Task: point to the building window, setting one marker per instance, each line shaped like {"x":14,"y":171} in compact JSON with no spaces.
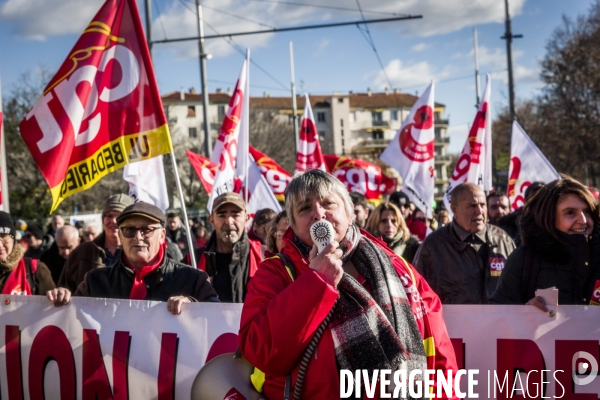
{"x":340,"y":99}
{"x":437,"y":115}
{"x":191,"y":111}
{"x":320,"y":116}
{"x":321,"y":136}
{"x":394,"y":115}
{"x":343,"y":145}
{"x":342,"y":132}
{"x":193,"y":133}
{"x":376,"y":116}
{"x":378,"y":135}
{"x":342,"y":122}
{"x":438,"y":133}
{"x":221,"y":112}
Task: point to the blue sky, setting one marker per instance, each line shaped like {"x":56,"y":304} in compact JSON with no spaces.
{"x":37,"y":33}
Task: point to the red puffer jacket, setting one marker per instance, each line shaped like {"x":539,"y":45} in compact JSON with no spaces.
{"x":280,"y":317}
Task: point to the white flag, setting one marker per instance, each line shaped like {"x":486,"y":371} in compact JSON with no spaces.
{"x":260,"y":192}
{"x":230,"y":131}
{"x":309,"y":154}
{"x":527,"y":165}
{"x":475,"y":162}
{"x":147,"y":182}
{"x":412,"y":152}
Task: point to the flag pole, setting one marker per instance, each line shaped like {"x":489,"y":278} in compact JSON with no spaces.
{"x":246,"y":124}
{"x":3,"y":175}
{"x":185,"y":217}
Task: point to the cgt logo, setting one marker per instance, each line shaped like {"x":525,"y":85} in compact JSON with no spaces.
{"x":587,"y":368}
{"x":496,"y":266}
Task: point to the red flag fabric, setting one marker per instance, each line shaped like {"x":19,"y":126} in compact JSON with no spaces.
{"x":205,"y":169}
{"x":361,"y":176}
{"x":277,"y":177}
{"x":309,"y":154}
{"x":102,"y":109}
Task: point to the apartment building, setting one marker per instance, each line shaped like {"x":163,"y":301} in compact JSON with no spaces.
{"x":355,"y":124}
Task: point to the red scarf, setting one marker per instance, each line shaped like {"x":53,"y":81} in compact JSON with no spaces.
{"x":138,"y":290}
{"x":17,"y":283}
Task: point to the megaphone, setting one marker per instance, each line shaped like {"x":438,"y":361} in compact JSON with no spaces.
{"x":225,"y":377}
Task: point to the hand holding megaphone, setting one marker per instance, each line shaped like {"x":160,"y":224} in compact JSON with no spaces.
{"x":326,"y":256}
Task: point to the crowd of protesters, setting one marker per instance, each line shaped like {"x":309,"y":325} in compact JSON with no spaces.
{"x":481,"y":251}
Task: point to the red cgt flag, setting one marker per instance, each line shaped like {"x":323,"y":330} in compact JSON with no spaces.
{"x":205,"y":169}
{"x":360,"y":176}
{"x":277,"y":177}
{"x":102,"y":109}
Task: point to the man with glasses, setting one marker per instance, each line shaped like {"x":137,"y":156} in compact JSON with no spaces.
{"x":143,"y":271}
{"x":101,"y":252}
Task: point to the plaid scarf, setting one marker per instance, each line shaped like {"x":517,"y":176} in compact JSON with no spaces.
{"x":375,"y":331}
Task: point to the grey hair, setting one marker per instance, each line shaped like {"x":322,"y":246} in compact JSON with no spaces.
{"x":318,"y":183}
{"x":67,"y":231}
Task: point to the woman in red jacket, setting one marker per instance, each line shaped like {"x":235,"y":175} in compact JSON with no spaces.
{"x":383,"y":315}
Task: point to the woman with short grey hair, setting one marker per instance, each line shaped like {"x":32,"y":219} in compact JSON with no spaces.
{"x":352,"y":305}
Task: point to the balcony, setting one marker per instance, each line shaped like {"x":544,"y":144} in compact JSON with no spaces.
{"x":443,"y":159}
{"x":381,"y":124}
{"x":441,"y":141}
{"x":441,"y":122}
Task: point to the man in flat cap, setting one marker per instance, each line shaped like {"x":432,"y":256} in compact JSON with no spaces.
{"x":143,"y":271}
{"x":101,"y":252}
{"x":229,"y":257}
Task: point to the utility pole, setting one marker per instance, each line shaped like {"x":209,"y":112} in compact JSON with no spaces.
{"x":203,"y":88}
{"x":294,"y":106}
{"x":477,"y":90}
{"x":508,"y":36}
{"x":149,"y":26}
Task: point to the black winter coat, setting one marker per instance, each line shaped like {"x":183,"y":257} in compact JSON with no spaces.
{"x":170,"y":279}
{"x":572,"y":265}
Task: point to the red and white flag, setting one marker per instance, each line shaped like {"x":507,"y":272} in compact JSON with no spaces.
{"x":260,"y":195}
{"x":475,"y":162}
{"x":309,"y":154}
{"x":277,"y":177}
{"x":412,"y":152}
{"x":226,"y":151}
{"x":361,"y":176}
{"x":102,"y":109}
{"x":147,"y":182}
{"x":527,"y":165}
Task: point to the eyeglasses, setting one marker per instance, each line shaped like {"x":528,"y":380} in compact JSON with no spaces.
{"x":6,"y":239}
{"x":146,"y":231}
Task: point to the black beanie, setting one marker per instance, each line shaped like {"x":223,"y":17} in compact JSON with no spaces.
{"x":7,"y":227}
{"x":36,"y":231}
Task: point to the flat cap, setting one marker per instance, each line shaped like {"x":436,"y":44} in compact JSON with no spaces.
{"x":117,"y":202}
{"x":228,"y":198}
{"x":143,"y":209}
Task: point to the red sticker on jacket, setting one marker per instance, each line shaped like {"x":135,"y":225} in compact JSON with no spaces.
{"x":496,"y":266}
{"x":595,"y":300}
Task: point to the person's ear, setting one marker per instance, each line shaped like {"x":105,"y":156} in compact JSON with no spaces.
{"x":453,"y":208}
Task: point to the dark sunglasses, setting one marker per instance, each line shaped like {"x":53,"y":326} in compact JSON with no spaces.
{"x":146,"y":231}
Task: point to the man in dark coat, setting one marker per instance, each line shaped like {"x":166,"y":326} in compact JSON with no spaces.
{"x":143,"y":272}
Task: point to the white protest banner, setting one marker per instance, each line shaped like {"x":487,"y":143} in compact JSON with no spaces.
{"x":527,"y":164}
{"x":137,"y":350}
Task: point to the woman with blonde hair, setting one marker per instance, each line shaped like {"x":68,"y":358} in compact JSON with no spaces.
{"x":386,"y":221}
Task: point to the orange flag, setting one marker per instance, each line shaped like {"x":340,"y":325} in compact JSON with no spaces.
{"x":102,"y":109}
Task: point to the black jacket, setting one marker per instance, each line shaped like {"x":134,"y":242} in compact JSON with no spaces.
{"x":571,"y":264}
{"x":455,"y":269}
{"x":54,"y":261}
{"x":170,"y":279}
